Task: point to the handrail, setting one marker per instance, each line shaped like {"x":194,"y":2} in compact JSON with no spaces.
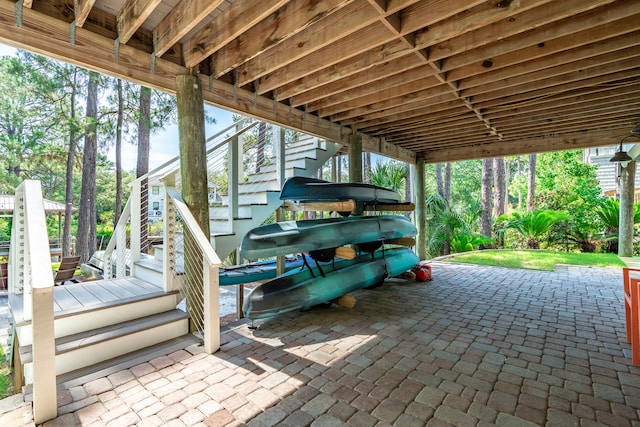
{"x":190,"y":221}
{"x":117,"y":237}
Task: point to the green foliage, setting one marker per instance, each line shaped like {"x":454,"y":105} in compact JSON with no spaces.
{"x":465,"y":241}
{"x":391,"y":174}
{"x":532,"y":225}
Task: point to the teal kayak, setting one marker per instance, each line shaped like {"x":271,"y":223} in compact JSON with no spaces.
{"x":292,"y":237}
{"x":310,"y":189}
{"x":303,"y":289}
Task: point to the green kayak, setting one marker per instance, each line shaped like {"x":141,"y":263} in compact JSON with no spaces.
{"x":297,"y":290}
{"x":294,"y":237}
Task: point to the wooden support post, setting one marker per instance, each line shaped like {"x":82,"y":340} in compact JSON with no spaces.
{"x":193,"y":174}
{"x":279,"y":147}
{"x":355,"y":163}
{"x":421,"y":208}
{"x":625,"y":231}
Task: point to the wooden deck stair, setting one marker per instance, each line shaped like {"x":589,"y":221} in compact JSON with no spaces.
{"x":103,"y":320}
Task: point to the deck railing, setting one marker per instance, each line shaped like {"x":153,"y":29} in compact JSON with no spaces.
{"x":196,"y":277}
{"x":30,"y":275}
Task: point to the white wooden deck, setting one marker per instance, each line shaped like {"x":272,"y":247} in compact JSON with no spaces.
{"x":76,"y":297}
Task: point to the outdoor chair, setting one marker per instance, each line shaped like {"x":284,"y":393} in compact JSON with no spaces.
{"x":67,"y":270}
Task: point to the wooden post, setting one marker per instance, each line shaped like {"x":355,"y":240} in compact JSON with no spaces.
{"x":193,"y":174}
{"x":135,"y":239}
{"x":627,"y":190}
{"x":421,"y":208}
{"x":278,"y":144}
{"x":355,"y":164}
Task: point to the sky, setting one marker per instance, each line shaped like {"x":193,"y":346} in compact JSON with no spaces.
{"x":164,"y":143}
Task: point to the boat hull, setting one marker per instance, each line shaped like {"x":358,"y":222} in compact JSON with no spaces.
{"x":305,"y":189}
{"x":300,"y":290}
{"x":292,"y":237}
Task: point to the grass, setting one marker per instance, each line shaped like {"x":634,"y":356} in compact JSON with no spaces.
{"x":538,"y":260}
{"x":6,"y":383}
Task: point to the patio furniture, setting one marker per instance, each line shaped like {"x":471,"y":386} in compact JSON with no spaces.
{"x":631,"y":279}
{"x":67,"y":270}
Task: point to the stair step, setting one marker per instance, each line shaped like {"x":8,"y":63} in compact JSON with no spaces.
{"x":90,"y":347}
{"x":107,"y":333}
{"x":116,"y":364}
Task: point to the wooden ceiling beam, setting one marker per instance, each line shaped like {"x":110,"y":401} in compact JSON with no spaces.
{"x":568,"y":50}
{"x":585,"y":94}
{"x":389,"y":88}
{"x":185,"y":16}
{"x":608,"y":80}
{"x":446,"y":109}
{"x":81,"y":9}
{"x":614,"y":44}
{"x":400,"y":103}
{"x":226,"y":27}
{"x":417,"y":116}
{"x":412,"y":19}
{"x":544,"y":22}
{"x":366,"y":81}
{"x":571,"y":71}
{"x":132,"y":16}
{"x":261,"y":43}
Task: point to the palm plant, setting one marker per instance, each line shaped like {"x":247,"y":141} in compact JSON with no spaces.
{"x":390,"y":175}
{"x":442,"y":223}
{"x":465,"y":241}
{"x":533,"y":225}
{"x":609,"y":214}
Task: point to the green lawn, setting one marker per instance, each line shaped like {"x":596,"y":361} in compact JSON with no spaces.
{"x":537,"y":260}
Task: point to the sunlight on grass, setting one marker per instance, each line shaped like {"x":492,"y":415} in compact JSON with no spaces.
{"x":538,"y":260}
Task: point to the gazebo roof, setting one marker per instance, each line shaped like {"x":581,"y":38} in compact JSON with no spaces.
{"x":7,"y":203}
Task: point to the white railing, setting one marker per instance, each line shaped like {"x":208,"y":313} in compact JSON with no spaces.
{"x":196,"y":277}
{"x":31,"y":275}
{"x":119,"y":245}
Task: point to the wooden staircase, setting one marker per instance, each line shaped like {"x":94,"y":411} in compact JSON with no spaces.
{"x":98,"y":321}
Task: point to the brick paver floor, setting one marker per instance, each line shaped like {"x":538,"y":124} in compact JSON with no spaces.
{"x":475,"y":346}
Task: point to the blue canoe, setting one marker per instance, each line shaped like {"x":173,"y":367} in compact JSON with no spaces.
{"x":306,"y":288}
{"x":292,"y":237}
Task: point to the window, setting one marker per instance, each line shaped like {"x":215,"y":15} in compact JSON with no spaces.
{"x":156,"y":206}
{"x":155,"y":190}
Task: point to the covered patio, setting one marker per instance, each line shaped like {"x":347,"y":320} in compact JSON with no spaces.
{"x":420,"y":81}
{"x":475,"y":346}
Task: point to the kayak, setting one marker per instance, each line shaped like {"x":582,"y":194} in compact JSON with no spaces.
{"x":309,"y":287}
{"x":310,"y":189}
{"x":292,"y":237}
{"x":255,"y":271}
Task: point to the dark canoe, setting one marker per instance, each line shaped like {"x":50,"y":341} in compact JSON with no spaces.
{"x":255,"y":271}
{"x":301,"y":290}
{"x":292,"y":237}
{"x":310,"y":189}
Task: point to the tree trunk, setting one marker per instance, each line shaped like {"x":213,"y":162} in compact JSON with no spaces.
{"x":531,"y":188}
{"x":487,"y":178}
{"x":439,"y":183}
{"x":118,"y":207}
{"x":142,"y":165}
{"x":498,"y":183}
{"x":367,"y":166}
{"x":447,"y":182}
{"x":68,"y":186}
{"x":625,"y":230}
{"x":86,"y":242}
